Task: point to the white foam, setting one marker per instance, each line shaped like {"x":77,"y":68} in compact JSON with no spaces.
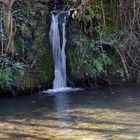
{"x":63,"y":89}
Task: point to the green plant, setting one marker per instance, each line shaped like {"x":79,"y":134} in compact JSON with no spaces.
{"x":89,"y":57}
{"x":9,"y":70}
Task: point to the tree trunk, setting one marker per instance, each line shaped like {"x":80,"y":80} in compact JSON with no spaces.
{"x":103,"y":14}
{"x":8,"y":26}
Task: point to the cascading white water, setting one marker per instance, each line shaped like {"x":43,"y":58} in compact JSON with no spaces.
{"x":57,"y":36}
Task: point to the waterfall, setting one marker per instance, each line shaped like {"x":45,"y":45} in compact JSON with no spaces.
{"x":57,"y":36}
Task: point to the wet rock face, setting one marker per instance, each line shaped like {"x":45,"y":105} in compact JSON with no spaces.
{"x":57,"y":4}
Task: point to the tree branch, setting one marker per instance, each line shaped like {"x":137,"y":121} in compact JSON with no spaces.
{"x":80,"y":8}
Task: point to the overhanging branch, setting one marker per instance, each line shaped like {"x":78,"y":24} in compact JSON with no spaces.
{"x":80,"y":8}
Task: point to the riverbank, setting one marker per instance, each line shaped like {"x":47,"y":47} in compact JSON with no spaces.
{"x":39,"y":91}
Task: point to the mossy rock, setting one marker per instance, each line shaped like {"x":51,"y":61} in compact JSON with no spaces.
{"x":28,"y":81}
{"x":44,"y":67}
{"x":40,"y":75}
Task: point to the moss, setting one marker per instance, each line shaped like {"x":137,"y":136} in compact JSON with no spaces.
{"x":28,"y":81}
{"x":40,"y":73}
{"x":44,"y":66}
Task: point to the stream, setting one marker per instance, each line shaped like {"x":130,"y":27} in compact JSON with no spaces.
{"x":80,"y":115}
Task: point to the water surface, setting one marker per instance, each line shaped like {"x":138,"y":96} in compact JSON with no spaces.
{"x":81,"y":115}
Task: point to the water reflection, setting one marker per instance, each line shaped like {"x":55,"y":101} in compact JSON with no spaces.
{"x":62,"y":104}
{"x":89,"y":114}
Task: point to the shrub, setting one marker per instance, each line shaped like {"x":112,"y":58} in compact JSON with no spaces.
{"x":9,"y":70}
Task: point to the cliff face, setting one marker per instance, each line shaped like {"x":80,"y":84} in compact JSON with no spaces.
{"x":100,"y":45}
{"x":55,"y":4}
{"x":32,"y":44}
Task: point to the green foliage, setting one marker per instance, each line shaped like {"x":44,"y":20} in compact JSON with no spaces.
{"x":92,"y":17}
{"x":9,"y":70}
{"x":74,"y":14}
{"x":88,"y":57}
{"x":30,"y":21}
{"x":5,"y":78}
{"x":86,"y":19}
{"x":98,"y":65}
